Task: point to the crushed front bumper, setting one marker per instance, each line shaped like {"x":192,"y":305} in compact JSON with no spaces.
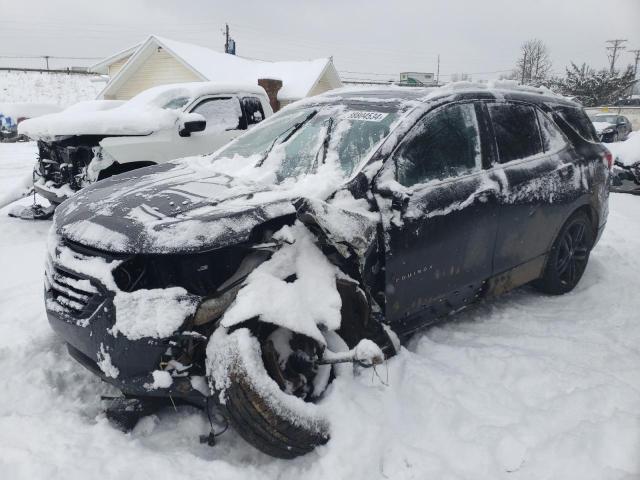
{"x":81,"y":310}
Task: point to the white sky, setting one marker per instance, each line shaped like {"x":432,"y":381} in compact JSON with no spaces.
{"x":362,"y":35}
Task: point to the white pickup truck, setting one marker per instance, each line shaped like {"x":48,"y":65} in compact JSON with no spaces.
{"x":94,"y":140}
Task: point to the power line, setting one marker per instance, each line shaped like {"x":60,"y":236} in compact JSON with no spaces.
{"x":50,"y":56}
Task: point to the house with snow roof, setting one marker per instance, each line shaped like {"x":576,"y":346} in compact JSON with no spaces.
{"x":160,"y":61}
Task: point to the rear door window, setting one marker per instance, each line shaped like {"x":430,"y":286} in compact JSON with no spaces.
{"x":221,"y":113}
{"x":444,"y":144}
{"x":516,"y":130}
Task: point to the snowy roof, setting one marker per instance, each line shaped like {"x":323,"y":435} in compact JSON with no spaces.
{"x":298,"y":77}
{"x":103,"y":65}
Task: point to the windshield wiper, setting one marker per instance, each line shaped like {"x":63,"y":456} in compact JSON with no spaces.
{"x":291,"y":131}
{"x":325,"y":143}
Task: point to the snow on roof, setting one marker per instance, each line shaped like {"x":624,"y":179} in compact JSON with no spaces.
{"x":298,"y":77}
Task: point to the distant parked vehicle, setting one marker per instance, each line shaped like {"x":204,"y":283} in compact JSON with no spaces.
{"x":611,"y":127}
{"x":11,"y":114}
{"x":94,"y":140}
{"x":628,"y":102}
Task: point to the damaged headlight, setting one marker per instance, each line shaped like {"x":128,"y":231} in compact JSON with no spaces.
{"x":212,"y":308}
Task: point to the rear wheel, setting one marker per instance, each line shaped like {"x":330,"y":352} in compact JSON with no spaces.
{"x":267,"y":384}
{"x":568,"y":257}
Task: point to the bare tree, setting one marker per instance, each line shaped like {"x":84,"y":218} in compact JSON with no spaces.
{"x":534,"y":64}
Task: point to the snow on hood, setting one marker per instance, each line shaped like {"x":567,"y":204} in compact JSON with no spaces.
{"x":601,"y":126}
{"x":142,"y":115}
{"x":173,"y":207}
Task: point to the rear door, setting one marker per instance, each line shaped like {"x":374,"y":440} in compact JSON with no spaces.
{"x":534,"y":165}
{"x":440,"y":237}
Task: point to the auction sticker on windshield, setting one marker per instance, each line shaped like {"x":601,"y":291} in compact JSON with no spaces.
{"x":366,"y":116}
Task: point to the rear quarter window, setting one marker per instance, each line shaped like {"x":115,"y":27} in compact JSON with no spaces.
{"x":516,"y":130}
{"x":578,"y":121}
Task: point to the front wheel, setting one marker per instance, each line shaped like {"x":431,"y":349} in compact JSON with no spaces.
{"x":267,"y":384}
{"x":568,"y":257}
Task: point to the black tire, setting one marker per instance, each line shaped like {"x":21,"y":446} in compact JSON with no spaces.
{"x":256,"y":407}
{"x":568,"y":257}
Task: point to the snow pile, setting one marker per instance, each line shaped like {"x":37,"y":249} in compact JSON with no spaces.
{"x":50,"y":88}
{"x":302,"y":280}
{"x":627,"y":152}
{"x":525,"y":386}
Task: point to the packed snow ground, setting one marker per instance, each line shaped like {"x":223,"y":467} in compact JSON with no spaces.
{"x":523,"y":387}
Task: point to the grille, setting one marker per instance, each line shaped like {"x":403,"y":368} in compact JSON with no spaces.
{"x":71,"y":293}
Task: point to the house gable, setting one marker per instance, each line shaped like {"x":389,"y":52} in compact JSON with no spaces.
{"x":159,"y":68}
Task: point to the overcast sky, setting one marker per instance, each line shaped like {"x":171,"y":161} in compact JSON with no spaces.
{"x":363,"y":36}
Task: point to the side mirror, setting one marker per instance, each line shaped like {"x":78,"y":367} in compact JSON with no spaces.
{"x":190,"y":123}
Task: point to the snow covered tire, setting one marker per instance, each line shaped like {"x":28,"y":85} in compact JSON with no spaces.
{"x":256,"y":407}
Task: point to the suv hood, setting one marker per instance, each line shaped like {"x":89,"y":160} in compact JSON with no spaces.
{"x":169,"y":208}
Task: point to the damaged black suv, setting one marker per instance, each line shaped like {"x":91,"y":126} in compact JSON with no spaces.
{"x":330,"y":233}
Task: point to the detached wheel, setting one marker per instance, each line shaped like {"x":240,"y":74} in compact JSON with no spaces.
{"x":267,"y":384}
{"x":568,"y":257}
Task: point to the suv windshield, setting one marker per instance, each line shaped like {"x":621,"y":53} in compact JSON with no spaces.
{"x":297,"y":142}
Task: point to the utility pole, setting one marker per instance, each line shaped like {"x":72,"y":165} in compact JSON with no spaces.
{"x":438,"y":73}
{"x":226,"y":38}
{"x":616,"y":45}
{"x":46,"y":59}
{"x":635,"y":68}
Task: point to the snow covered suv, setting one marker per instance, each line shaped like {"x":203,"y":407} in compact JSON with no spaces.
{"x":328,"y":234}
{"x":94,"y":140}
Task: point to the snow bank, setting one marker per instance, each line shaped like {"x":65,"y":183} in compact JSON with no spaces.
{"x":627,"y":152}
{"x":50,"y":88}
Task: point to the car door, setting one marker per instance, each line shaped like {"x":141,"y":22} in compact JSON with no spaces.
{"x":534,"y":163}
{"x":440,"y":236}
